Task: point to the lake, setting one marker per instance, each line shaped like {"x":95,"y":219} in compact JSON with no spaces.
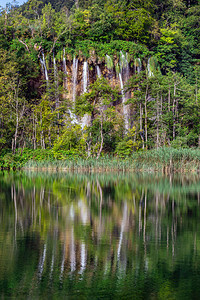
{"x":99,"y":236}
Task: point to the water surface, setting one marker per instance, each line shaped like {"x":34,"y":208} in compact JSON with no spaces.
{"x":99,"y":236}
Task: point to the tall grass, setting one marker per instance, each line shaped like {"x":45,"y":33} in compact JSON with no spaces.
{"x":162,"y":160}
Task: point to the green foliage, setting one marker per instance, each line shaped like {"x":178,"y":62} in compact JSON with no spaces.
{"x":163,"y":159}
{"x":160,"y":41}
{"x":71,"y":142}
{"x":111,"y":48}
{"x":124,"y":148}
{"x":168,"y":49}
{"x":97,"y":103}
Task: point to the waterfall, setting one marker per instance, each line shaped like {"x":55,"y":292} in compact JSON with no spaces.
{"x":44,"y":68}
{"x":85,"y":77}
{"x":124,"y":65}
{"x":73,"y":117}
{"x":64,"y":69}
{"x":74,"y":84}
{"x":125,"y":108}
{"x":127,"y":67}
{"x":98,"y":71}
{"x":74,"y":78}
{"x":42,"y":65}
{"x":109,"y":62}
{"x":124,"y":74}
{"x":85,"y":82}
{"x":85,"y":121}
{"x":56,"y":81}
{"x":123,"y":61}
{"x":149,"y":68}
{"x":138,"y":65}
{"x":109,"y":65}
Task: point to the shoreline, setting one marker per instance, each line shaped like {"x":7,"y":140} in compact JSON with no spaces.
{"x":165,"y":170}
{"x":163,"y":160}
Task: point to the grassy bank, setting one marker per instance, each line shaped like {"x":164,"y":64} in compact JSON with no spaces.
{"x":164,"y":160}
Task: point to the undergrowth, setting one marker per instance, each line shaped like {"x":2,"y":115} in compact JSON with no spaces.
{"x":163,"y":159}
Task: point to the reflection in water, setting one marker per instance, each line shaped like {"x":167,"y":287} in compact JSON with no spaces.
{"x":83,"y":258}
{"x":122,"y":230}
{"x":41,"y":262}
{"x":99,"y":235}
{"x":72,"y":252}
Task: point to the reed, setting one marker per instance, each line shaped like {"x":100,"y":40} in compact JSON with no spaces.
{"x":163,"y":160}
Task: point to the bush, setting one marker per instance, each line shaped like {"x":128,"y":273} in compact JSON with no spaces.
{"x":125,"y":148}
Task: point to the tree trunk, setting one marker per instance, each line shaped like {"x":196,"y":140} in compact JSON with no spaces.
{"x":49,"y":136}
{"x":101,"y":147}
{"x":141,"y":130}
{"x":169,"y":100}
{"x":145,"y":121}
{"x":16,"y":133}
{"x":77,"y":4}
{"x":163,"y":133}
{"x":42,"y":134}
{"x":196,"y":91}
{"x":34,"y":132}
{"x":157,"y":123}
{"x":173,"y":110}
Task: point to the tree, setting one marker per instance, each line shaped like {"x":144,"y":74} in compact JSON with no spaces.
{"x":12,"y":101}
{"x":97,"y":103}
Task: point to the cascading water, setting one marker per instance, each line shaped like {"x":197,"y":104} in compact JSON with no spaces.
{"x":127,"y":67}
{"x":74,"y":78}
{"x":85,"y":82}
{"x":124,"y":66}
{"x":124,"y":73}
{"x":125,"y":108}
{"x":64,"y":69}
{"x":109,"y":62}
{"x":109,"y":65}
{"x":73,"y":117}
{"x":138,"y":65}
{"x":123,"y":61}
{"x":98,"y":71}
{"x":85,"y":76}
{"x":74,"y":84}
{"x":149,"y":68}
{"x":44,"y":68}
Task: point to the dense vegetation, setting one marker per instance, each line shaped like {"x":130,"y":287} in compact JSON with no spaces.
{"x":165,"y":106}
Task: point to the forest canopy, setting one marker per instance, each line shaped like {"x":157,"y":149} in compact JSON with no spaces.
{"x":146,"y":52}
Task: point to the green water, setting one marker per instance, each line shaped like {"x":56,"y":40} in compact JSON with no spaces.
{"x":99,"y":236}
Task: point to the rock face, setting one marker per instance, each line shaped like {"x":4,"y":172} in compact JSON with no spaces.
{"x":78,"y":73}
